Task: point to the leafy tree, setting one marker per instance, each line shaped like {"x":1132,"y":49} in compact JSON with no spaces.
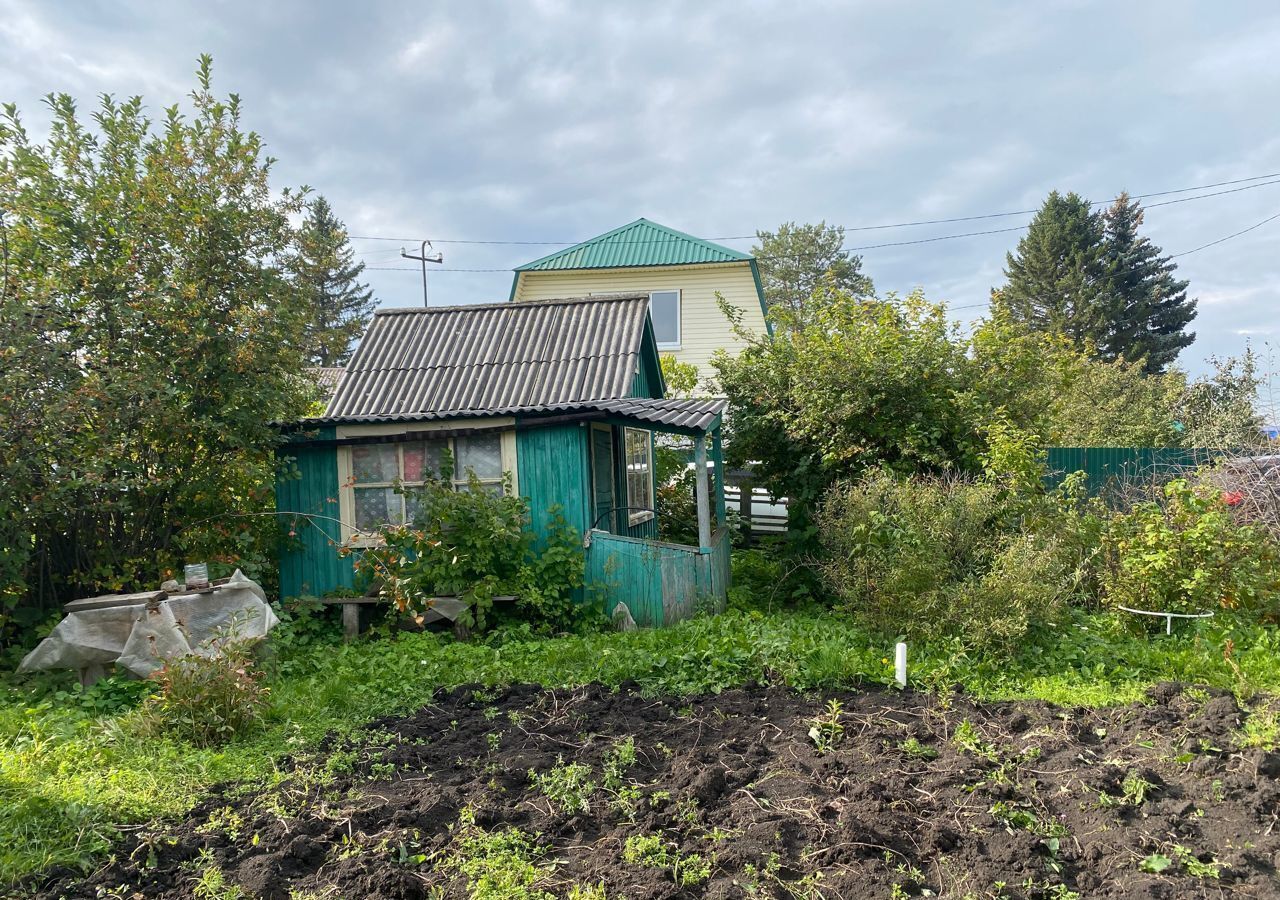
{"x":1152,"y":309}
{"x":1220,"y":410}
{"x":796,"y":260}
{"x":864,"y":385}
{"x":149,"y":338}
{"x":681,"y":377}
{"x":326,"y":272}
{"x":1057,"y":280}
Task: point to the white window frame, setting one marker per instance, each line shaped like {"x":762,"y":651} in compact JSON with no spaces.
{"x":679,"y":317}
{"x":634,"y":516}
{"x":352,"y":536}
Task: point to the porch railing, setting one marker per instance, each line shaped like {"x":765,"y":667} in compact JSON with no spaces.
{"x":661,"y":583}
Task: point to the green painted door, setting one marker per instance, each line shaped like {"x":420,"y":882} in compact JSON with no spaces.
{"x":602,"y":477}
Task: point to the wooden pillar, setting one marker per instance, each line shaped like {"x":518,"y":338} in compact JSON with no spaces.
{"x":350,"y":621}
{"x":746,"y":488}
{"x":717,"y":456}
{"x":704,"y":499}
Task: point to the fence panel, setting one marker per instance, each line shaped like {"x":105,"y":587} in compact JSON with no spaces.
{"x":1114,"y":468}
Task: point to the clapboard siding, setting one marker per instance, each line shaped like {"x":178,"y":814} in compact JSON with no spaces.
{"x":704,"y":329}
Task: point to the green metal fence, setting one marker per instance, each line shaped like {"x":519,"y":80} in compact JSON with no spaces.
{"x":1108,"y":468}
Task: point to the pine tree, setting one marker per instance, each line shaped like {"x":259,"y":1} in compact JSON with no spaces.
{"x":796,"y":260}
{"x":1056,"y":282}
{"x":325,"y":270}
{"x":1152,"y":309}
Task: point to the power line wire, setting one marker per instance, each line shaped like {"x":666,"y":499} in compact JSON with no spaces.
{"x":1228,"y":237}
{"x":1020,"y":212}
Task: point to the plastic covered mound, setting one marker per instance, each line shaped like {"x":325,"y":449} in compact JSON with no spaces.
{"x":139,"y":631}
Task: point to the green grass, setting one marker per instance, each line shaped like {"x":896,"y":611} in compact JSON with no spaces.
{"x":70,"y":769}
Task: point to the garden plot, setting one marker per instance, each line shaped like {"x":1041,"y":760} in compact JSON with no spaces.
{"x":758,"y":792}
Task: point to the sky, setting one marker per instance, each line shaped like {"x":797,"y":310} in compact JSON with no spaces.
{"x":546,"y":122}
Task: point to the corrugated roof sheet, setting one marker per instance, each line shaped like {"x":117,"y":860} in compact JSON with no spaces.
{"x":641,"y":243}
{"x":693,"y":414}
{"x":492,"y":359}
{"x":325,"y":377}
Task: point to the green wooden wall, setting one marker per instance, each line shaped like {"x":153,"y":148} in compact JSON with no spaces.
{"x":310,"y":563}
{"x":1104,"y":467}
{"x":553,"y":469}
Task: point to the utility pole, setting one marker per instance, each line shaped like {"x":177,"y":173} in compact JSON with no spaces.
{"x":424,"y":258}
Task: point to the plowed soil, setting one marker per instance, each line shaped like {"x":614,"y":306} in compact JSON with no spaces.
{"x":758,"y":792}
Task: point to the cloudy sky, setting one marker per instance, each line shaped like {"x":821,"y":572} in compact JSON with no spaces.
{"x":553,"y":121}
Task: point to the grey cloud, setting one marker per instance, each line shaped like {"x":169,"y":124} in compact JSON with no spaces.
{"x":557,"y":120}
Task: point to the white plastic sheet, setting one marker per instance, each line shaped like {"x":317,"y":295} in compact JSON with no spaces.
{"x":140,"y":637}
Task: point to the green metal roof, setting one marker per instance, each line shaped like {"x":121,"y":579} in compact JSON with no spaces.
{"x":642,"y":243}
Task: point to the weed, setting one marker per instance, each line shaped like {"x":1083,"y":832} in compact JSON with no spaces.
{"x":967,"y":738}
{"x":587,"y":892}
{"x":207,"y":700}
{"x":1012,"y":817}
{"x":913,"y":748}
{"x":1194,"y":866}
{"x":568,"y":787}
{"x":1134,"y":789}
{"x":225,"y":820}
{"x":825,"y":731}
{"x":620,"y":758}
{"x":687,"y":869}
{"x":498,"y":865}
{"x":1261,"y":731}
{"x":210,"y":883}
{"x":1155,"y":863}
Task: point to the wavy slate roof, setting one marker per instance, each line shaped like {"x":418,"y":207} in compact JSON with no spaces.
{"x":492,"y":359}
{"x":641,"y":243}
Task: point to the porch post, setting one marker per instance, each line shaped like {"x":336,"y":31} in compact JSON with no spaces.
{"x":717,"y":456}
{"x":704,"y":500}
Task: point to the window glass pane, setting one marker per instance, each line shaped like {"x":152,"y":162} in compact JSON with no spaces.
{"x":664,"y":307}
{"x":374,"y":463}
{"x":488,"y":487}
{"x":639,"y":482}
{"x":420,"y":457}
{"x":412,"y":504}
{"x":482,"y":453}
{"x":376,"y":506}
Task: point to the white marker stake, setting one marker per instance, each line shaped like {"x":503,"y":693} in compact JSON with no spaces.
{"x":900,"y":665}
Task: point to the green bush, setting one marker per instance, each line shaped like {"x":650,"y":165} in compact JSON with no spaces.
{"x":475,"y":545}
{"x":207,"y":700}
{"x":933,"y":556}
{"x":1185,"y":553}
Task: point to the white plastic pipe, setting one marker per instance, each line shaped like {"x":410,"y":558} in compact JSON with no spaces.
{"x":900,"y":664}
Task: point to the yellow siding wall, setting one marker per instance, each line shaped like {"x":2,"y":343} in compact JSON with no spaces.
{"x":703,"y":328}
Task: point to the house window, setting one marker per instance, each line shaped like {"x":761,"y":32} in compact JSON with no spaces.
{"x":664,"y":308}
{"x":378,"y":469}
{"x":638,"y":447}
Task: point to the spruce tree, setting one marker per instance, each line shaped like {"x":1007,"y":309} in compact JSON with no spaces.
{"x":1056,"y":281}
{"x":325,"y":271}
{"x":1152,"y":309}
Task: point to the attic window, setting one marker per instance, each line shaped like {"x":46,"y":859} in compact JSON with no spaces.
{"x":664,"y":307}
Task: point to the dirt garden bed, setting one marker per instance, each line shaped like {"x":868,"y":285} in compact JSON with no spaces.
{"x":759,"y":792}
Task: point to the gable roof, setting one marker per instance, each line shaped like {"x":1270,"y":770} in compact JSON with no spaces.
{"x":641,"y":243}
{"x":325,"y":378}
{"x":494,"y":359}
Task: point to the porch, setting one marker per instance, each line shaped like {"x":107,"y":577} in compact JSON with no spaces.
{"x":662,"y":582}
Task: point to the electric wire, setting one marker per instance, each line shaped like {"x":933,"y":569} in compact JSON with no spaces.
{"x":999,"y":215}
